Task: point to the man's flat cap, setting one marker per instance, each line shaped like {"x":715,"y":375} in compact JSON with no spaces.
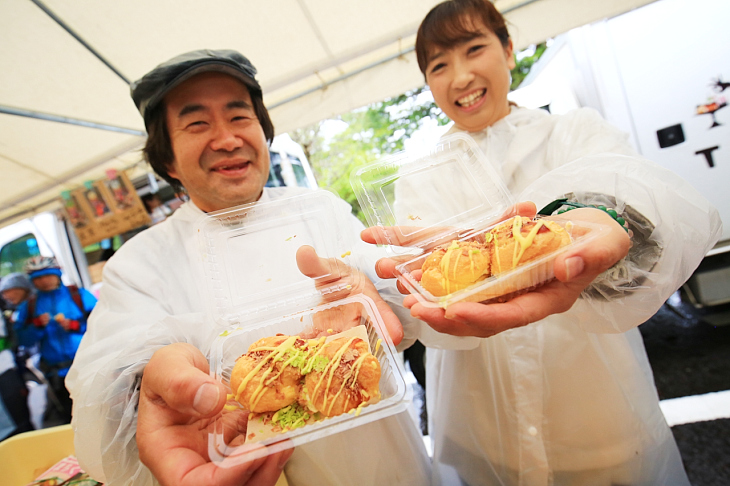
{"x":148,"y":91}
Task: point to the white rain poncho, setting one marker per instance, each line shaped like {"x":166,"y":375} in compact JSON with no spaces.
{"x":150,"y":298}
{"x":569,"y":400}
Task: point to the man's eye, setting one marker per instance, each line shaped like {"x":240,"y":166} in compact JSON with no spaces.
{"x":195,"y":124}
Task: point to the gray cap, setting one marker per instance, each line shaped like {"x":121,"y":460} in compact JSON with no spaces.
{"x":16,"y":281}
{"x":148,"y":91}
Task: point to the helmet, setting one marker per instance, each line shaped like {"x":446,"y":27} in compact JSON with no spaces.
{"x":38,"y":266}
{"x":16,"y":281}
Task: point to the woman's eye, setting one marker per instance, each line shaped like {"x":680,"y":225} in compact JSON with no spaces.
{"x":475,"y":48}
{"x":438,"y":67}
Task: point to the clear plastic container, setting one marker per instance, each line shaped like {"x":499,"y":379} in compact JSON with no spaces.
{"x":417,"y":202}
{"x":251,"y":295}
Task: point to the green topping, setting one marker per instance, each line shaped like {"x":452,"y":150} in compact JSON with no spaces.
{"x":291,"y":417}
{"x":320,"y":363}
{"x":488,"y":237}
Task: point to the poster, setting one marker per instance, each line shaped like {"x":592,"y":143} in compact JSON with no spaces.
{"x":105,"y":208}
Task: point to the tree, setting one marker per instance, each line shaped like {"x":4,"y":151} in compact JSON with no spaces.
{"x":371,"y":132}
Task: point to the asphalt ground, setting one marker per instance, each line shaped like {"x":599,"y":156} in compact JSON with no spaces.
{"x":689,"y":351}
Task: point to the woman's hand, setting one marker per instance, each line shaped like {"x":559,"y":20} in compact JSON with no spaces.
{"x":178,"y":400}
{"x":574,"y":271}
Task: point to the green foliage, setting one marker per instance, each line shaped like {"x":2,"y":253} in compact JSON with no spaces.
{"x":522,"y":69}
{"x":372,"y":132}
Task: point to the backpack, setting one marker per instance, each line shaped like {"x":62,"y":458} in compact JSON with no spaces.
{"x":75,"y":295}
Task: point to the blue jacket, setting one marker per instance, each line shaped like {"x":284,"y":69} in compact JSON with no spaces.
{"x":56,"y":344}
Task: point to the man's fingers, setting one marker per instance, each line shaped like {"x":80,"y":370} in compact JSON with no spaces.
{"x":526,"y":209}
{"x":310,"y":264}
{"x":185,"y":467}
{"x":409,"y":235}
{"x":313,"y":266}
{"x":177,"y":375}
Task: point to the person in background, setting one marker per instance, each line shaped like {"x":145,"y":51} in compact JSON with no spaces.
{"x":14,"y":411}
{"x":554,"y":386}
{"x":140,"y":383}
{"x":157,"y":210}
{"x":15,"y":288}
{"x":54,"y":318}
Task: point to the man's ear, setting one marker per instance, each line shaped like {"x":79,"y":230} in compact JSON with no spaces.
{"x":171,"y":169}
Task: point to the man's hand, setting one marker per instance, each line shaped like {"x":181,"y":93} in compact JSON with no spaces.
{"x":574,"y":271}
{"x":345,"y":317}
{"x":178,"y":400}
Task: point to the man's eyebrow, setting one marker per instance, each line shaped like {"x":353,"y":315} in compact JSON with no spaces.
{"x":239,"y":104}
{"x":231,"y":105}
{"x":187,"y":109}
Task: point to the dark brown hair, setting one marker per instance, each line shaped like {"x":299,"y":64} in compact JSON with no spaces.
{"x":449,"y":24}
{"x":158,"y":149}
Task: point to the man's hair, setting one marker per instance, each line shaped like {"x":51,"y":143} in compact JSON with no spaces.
{"x":449,"y":24}
{"x":158,"y":149}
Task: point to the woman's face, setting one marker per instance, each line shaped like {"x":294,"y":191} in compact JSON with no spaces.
{"x":470,"y":82}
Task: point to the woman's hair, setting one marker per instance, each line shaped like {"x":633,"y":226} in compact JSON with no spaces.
{"x":450,"y":23}
{"x":158,"y":149}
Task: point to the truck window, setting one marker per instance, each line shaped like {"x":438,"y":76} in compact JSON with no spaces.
{"x":14,"y":254}
{"x":275,"y":177}
{"x":299,"y":173}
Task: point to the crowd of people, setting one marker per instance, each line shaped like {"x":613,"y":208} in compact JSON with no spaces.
{"x":550,"y":388}
{"x":43,"y":322}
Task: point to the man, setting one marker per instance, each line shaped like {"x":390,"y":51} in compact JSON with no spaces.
{"x":55,"y":319}
{"x":141,"y":386}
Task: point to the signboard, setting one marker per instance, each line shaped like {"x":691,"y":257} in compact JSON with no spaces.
{"x":105,"y":208}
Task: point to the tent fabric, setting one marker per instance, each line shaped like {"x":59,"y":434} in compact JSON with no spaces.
{"x":65,"y":111}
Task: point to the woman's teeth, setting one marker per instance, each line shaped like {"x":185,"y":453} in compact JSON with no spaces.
{"x":469,"y":100}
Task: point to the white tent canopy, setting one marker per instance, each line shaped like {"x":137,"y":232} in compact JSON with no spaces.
{"x":65,"y":111}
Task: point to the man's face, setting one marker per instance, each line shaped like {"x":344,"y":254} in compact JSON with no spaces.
{"x":221,"y":154}
{"x":14,"y":296}
{"x":47,"y":283}
{"x":470,"y":82}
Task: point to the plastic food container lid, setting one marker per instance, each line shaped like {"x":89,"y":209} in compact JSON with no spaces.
{"x":422,"y":198}
{"x":255,"y":290}
{"x":418,"y":201}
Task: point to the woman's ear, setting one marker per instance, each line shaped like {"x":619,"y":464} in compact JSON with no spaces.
{"x":509,"y":52}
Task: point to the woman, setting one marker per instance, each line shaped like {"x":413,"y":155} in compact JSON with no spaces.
{"x":556,"y":388}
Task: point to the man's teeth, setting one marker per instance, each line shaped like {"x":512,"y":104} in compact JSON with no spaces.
{"x":469,"y":100}
{"x":231,"y":167}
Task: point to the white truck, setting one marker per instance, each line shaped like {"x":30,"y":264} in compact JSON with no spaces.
{"x":661,"y":73}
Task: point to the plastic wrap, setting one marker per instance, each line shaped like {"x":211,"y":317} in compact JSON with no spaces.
{"x":152,"y":296}
{"x":569,"y":399}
